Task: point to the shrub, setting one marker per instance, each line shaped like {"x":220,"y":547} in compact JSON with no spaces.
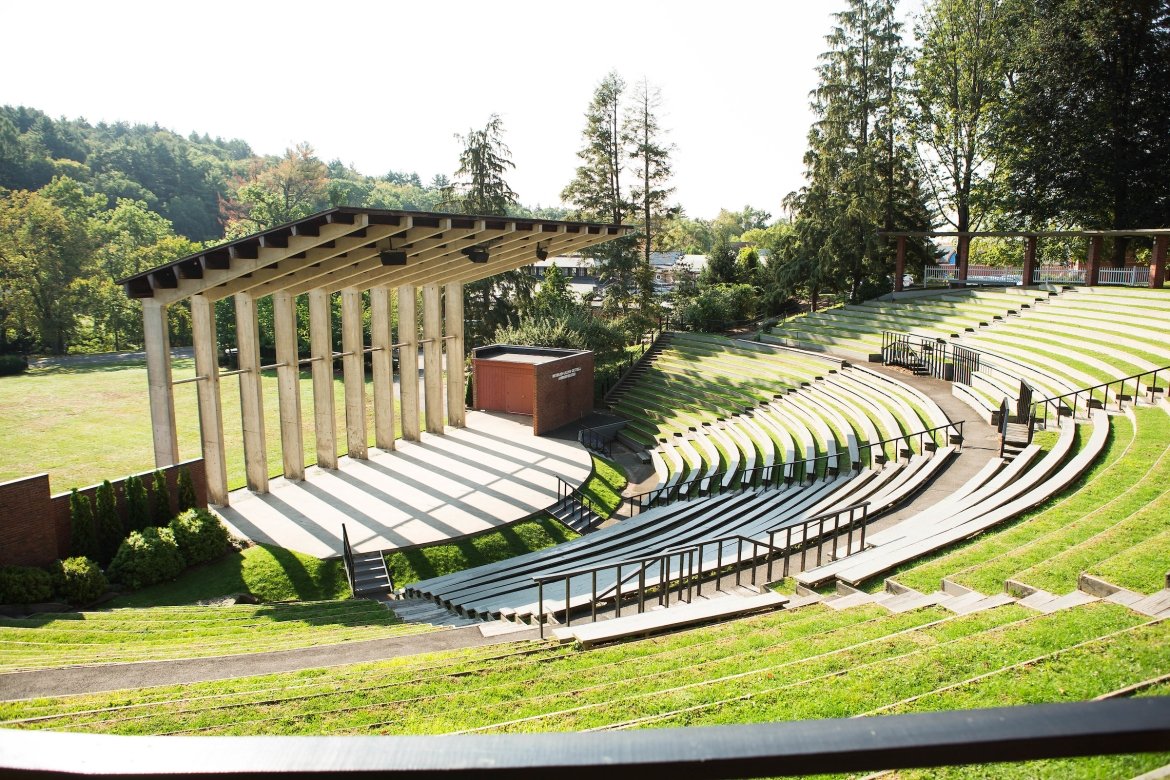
{"x":12,"y":364}
{"x":200,"y":535}
{"x":110,"y":530}
{"x":24,"y":585}
{"x":82,"y":536}
{"x":160,"y":500}
{"x":79,"y":580}
{"x":137,"y":504}
{"x":187,"y":499}
{"x":146,"y":557}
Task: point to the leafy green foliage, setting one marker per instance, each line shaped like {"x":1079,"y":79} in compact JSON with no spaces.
{"x":79,"y":580}
{"x":479,"y":186}
{"x":717,"y":307}
{"x":200,"y":535}
{"x":187,"y":497}
{"x":108,"y":521}
{"x":147,"y":557}
{"x":10,"y":365}
{"x":24,"y":585}
{"x":160,"y":500}
{"x":137,"y":504}
{"x":82,"y":533}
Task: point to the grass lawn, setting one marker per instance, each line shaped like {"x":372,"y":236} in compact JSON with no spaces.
{"x":269,"y":573}
{"x":83,"y":424}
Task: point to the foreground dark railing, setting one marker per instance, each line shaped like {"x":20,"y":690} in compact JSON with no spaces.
{"x":803,"y":469}
{"x":590,"y":439}
{"x":929,"y":739}
{"x":347,"y":556}
{"x":1097,"y":396}
{"x":801,"y":537}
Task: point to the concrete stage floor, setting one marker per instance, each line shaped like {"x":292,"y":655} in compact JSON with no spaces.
{"x":491,"y":473}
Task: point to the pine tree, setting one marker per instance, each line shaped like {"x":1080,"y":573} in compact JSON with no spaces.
{"x":110,"y":530}
{"x":137,"y":504}
{"x":650,"y":155}
{"x":187,"y":497}
{"x":82,"y":537}
{"x":160,"y":500}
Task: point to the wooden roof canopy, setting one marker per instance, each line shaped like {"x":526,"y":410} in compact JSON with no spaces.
{"x":360,"y":248}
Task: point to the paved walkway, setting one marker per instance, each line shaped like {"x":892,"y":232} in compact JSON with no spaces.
{"x":491,"y":473}
{"x":111,"y":677}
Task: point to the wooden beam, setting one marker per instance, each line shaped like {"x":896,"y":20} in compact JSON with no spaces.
{"x":264,"y":256}
{"x":383,"y":365}
{"x":321,"y":350}
{"x":433,"y":358}
{"x":288,"y":385}
{"x":1093,"y":261}
{"x":456,"y":381}
{"x":408,"y":361}
{"x":472,"y":272}
{"x":354,"y":373}
{"x":251,"y":394}
{"x":368,"y":258}
{"x":210,"y":407}
{"x":156,"y":336}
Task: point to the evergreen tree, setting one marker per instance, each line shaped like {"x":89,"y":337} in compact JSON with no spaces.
{"x":861,"y":175}
{"x":137,"y":504}
{"x":160,"y":500}
{"x":110,"y":530}
{"x":720,"y":268}
{"x":650,"y":155}
{"x":596,"y":188}
{"x":82,"y":537}
{"x":554,"y":296}
{"x":187,"y":497}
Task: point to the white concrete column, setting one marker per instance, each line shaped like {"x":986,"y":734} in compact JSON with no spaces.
{"x":321,"y":349}
{"x":456,"y":381}
{"x":158,"y":380}
{"x":353,"y":372}
{"x":408,"y":361}
{"x":288,"y":384}
{"x":433,"y":358}
{"x":210,"y":408}
{"x":251,"y":393}
{"x":383,"y":357}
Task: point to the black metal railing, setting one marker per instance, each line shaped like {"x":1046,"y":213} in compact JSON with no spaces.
{"x":647,"y":343}
{"x":686,"y":582}
{"x":1097,"y":396}
{"x":840,"y":746}
{"x":590,"y":439}
{"x":347,"y":556}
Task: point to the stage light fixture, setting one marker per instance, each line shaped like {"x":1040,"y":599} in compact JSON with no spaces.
{"x":393,"y":257}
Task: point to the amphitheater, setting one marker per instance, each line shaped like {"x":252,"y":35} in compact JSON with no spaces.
{"x":938,"y":501}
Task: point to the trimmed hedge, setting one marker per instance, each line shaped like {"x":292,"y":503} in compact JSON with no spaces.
{"x":24,"y":585}
{"x":147,"y":557}
{"x":79,"y":580}
{"x":200,"y":536}
{"x":12,"y":364}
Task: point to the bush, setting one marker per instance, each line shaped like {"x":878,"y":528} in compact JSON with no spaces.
{"x":24,"y":585}
{"x":79,"y":580}
{"x":82,"y":536}
{"x":110,"y":530}
{"x":200,"y":536}
{"x":12,"y":364}
{"x":187,"y":499}
{"x":146,"y":557}
{"x":160,"y":501}
{"x":137,"y":504}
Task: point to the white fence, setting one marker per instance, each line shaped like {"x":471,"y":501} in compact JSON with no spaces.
{"x":1133,"y":276}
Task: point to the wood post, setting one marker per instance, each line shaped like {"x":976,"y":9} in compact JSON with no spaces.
{"x":408,"y":361}
{"x":433,"y":358}
{"x":354,"y":372}
{"x":251,"y":394}
{"x":288,"y":384}
{"x":210,"y":409}
{"x":1093,"y":262}
{"x":900,"y":264}
{"x":321,"y":347}
{"x":1029,"y":260}
{"x":156,"y":336}
{"x":1158,"y":261}
{"x":383,"y":359}
{"x":964,"y":254}
{"x":456,"y":381}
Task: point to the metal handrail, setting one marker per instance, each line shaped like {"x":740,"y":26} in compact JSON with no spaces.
{"x":1063,"y":409}
{"x":347,"y":556}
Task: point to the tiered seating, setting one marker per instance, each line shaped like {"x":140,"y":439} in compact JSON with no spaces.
{"x":705,"y":404}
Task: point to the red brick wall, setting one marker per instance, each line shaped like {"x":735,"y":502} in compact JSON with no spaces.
{"x":564,"y":392}
{"x":34,"y":525}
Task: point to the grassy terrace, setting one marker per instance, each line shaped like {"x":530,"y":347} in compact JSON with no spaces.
{"x":1110,"y":523}
{"x":808,"y":663}
{"x":165,"y":633}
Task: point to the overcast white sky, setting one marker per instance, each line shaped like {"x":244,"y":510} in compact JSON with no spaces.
{"x":385,"y":85}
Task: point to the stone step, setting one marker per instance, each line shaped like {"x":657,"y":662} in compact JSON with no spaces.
{"x":1155,"y":605}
